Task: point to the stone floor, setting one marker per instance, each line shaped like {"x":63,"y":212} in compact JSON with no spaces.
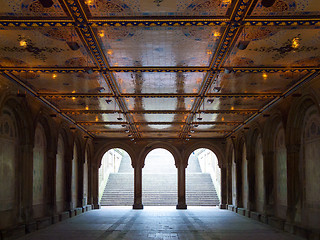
{"x":160,"y":223}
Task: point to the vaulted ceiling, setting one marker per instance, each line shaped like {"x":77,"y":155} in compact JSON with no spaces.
{"x":159,"y":68}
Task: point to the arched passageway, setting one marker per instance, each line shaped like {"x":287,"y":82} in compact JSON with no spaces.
{"x":203,"y":179}
{"x":116,"y":179}
{"x":159,"y":179}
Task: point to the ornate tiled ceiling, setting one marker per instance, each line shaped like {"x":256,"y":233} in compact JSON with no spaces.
{"x":159,"y":68}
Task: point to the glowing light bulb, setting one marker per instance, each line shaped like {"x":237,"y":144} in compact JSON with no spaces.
{"x":23,"y":43}
{"x":87,"y":107}
{"x":222,"y":119}
{"x":232,"y":108}
{"x":101,"y":34}
{"x":295,"y":42}
{"x":97,"y":119}
{"x":89,"y":2}
{"x":73,"y":98}
{"x":264,"y":75}
{"x":54,"y":76}
{"x":216,"y":34}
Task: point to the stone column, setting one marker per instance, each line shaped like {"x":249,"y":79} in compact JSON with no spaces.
{"x":51,"y":179}
{"x":26,"y":182}
{"x":137,"y":187}
{"x":251,"y":181}
{"x":239,"y":182}
{"x":294,"y":184}
{"x":181,"y":186}
{"x":68,"y":179}
{"x":229,"y":183}
{"x":224,"y":185}
{"x":268,"y":172}
{"x":95,"y":186}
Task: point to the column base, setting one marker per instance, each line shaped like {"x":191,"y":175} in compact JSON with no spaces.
{"x":181,"y":206}
{"x":137,"y":206}
{"x":223,"y":206}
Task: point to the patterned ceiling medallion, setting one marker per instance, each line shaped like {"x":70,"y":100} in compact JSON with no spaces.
{"x":76,"y":62}
{"x":254,"y":33}
{"x":11,"y":62}
{"x":34,"y":8}
{"x":279,"y":7}
{"x":308,"y":62}
{"x":110,"y":8}
{"x":62,"y":34}
{"x":208,"y":7}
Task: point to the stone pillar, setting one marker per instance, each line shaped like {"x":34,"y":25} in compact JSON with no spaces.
{"x":239,"y":181}
{"x":68,"y":179}
{"x":229,"y":183}
{"x":81,"y":160}
{"x":251,"y":180}
{"x":268,"y":172}
{"x":51,"y":179}
{"x":95,"y":186}
{"x":181,"y":187}
{"x":294,"y":184}
{"x":224,"y":185}
{"x":26,"y":179}
{"x":137,"y":187}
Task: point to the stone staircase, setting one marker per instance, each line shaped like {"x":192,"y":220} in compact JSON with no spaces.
{"x":159,"y":189}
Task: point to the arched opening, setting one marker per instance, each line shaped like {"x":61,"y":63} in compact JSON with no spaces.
{"x":159,"y":179}
{"x":280,"y":176}
{"x":203,"y":179}
{"x":116,"y":183}
{"x":309,"y":163}
{"x":60,"y":175}
{"x":234,"y":179}
{"x":74,"y":181}
{"x":245,"y":182}
{"x":85,"y":178}
{"x":39,"y":173}
{"x":8,"y":168}
{"x":259,"y":175}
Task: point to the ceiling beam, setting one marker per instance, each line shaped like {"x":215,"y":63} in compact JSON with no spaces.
{"x":241,"y":111}
{"x":275,"y":69}
{"x":75,"y":8}
{"x":90,"y":123}
{"x":149,"y":21}
{"x":229,"y":36}
{"x":159,"y":95}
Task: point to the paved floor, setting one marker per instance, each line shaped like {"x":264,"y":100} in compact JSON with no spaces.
{"x":160,"y":223}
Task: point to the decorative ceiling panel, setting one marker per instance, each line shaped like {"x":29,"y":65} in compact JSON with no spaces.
{"x":160,"y":135}
{"x":261,"y":82}
{"x":288,"y":7}
{"x":42,"y":47}
{"x":156,"y":127}
{"x":65,"y":82}
{"x":30,"y":8}
{"x":106,"y":127}
{"x":110,"y":117}
{"x":159,"y":46}
{"x":159,"y":60}
{"x":159,"y":117}
{"x":209,"y":134}
{"x":235,"y":103}
{"x":218,"y":127}
{"x":155,"y":82}
{"x":84,"y":103}
{"x":277,"y":47}
{"x":109,"y":134}
{"x":102,"y":8}
{"x":159,"y":103}
{"x":221,"y":117}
